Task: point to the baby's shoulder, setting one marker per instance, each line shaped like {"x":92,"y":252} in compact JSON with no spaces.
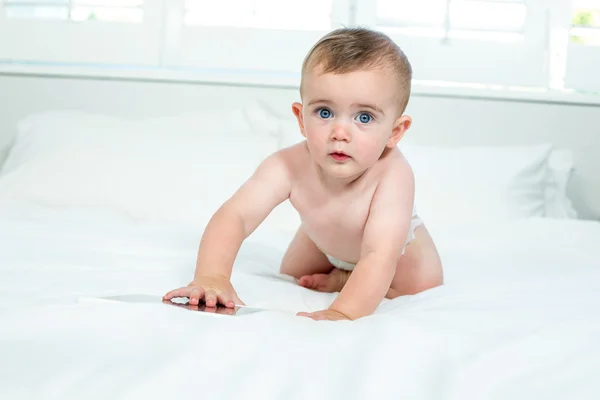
{"x":394,"y":166}
{"x":294,"y":157}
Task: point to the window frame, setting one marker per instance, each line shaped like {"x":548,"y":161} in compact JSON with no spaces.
{"x":154,"y":50}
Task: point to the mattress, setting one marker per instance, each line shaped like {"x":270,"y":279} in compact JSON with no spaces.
{"x":516,"y":318}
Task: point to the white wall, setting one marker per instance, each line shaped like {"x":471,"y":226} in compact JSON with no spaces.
{"x":437,"y":119}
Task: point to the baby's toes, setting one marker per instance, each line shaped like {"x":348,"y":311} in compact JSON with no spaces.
{"x":305,"y":281}
{"x":320,"y":282}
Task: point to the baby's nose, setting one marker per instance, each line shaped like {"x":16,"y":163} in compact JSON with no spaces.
{"x":340,"y":132}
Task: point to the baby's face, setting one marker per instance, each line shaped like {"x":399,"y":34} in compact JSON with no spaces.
{"x":348,"y":119}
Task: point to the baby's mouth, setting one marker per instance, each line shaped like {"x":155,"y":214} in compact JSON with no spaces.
{"x":339,"y":156}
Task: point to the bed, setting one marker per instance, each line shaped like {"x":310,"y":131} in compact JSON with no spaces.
{"x":94,"y":205}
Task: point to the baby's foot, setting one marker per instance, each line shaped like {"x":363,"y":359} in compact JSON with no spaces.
{"x":331,"y":282}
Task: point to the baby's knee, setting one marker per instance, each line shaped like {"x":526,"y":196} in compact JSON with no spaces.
{"x":292,"y":271}
{"x":285,"y":270}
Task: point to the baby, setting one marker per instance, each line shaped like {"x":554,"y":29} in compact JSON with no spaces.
{"x":349,"y":182}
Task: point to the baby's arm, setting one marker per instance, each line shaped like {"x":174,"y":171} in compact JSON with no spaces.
{"x":231,"y":224}
{"x":239,"y":216}
{"x":385,"y":233}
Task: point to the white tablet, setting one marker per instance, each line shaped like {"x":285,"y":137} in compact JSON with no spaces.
{"x":238,"y":310}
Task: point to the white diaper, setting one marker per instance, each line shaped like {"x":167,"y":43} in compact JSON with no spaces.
{"x":414,"y":223}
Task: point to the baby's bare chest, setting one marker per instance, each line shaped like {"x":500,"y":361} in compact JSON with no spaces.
{"x":333,"y":220}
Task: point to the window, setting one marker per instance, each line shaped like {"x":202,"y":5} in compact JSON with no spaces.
{"x":484,"y":43}
{"x":81,"y":31}
{"x":260,"y":14}
{"x":492,"y":42}
{"x":259,"y":37}
{"x":477,"y":20}
{"x":582,"y":55}
{"x":585,"y":24}
{"x":77,"y":10}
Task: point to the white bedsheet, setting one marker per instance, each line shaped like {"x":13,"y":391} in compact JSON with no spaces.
{"x":516,"y":319}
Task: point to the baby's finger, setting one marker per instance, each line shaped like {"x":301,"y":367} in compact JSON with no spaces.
{"x":225,"y":299}
{"x":210,"y":298}
{"x":196,"y":295}
{"x":181,"y":292}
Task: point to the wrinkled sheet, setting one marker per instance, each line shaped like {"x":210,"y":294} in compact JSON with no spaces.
{"x":517,"y":318}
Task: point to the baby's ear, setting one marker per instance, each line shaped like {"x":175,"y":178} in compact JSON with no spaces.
{"x":400,"y":127}
{"x":297,"y":110}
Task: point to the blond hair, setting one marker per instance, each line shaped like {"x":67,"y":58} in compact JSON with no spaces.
{"x":351,"y":49}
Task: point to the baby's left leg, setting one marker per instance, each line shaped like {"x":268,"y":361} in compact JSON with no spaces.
{"x":418,"y":269}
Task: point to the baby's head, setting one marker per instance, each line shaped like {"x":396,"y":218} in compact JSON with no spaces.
{"x":358,"y":49}
{"x":355,"y":87}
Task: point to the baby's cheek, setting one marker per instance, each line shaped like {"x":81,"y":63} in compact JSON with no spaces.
{"x":314,"y":136}
{"x":313,"y":128}
{"x":371,"y":147}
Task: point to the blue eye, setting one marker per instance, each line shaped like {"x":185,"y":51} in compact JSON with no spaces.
{"x":324,"y":113}
{"x":365,"y":118}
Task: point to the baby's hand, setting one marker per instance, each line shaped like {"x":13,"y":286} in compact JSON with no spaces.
{"x":213,"y":289}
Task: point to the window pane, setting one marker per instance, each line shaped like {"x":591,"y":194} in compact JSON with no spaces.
{"x":492,"y":36}
{"x":492,"y":20}
{"x":101,"y":10}
{"x":589,"y":37}
{"x":36,"y":12}
{"x":131,"y":15}
{"x":586,"y":22}
{"x":39,"y":2}
{"x":414,"y":31}
{"x":109,"y":3}
{"x":487,"y":16}
{"x":586,"y":13}
{"x":269,"y":14}
{"x":411,"y":13}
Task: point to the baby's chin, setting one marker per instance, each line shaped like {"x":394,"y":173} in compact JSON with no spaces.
{"x":348,"y":170}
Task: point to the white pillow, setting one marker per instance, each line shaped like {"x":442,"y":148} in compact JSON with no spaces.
{"x":178,"y":169}
{"x":479,"y":183}
{"x":558,"y":204}
{"x":3,"y":154}
{"x":474,"y":183}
